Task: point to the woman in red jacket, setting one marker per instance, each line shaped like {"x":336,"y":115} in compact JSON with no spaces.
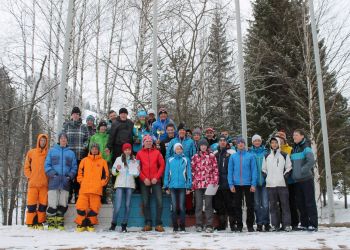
{"x":152,"y":169}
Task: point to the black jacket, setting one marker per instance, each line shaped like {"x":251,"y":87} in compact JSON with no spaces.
{"x":120,"y":133}
{"x":222,"y":158}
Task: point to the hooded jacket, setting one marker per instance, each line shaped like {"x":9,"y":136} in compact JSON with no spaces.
{"x":178,"y":172}
{"x":151,"y":163}
{"x":204,"y":170}
{"x":60,"y":167}
{"x":92,"y":174}
{"x":120,"y":133}
{"x":242,"y":169}
{"x":34,"y":165}
{"x":188,"y":146}
{"x":161,"y":125}
{"x":78,"y":137}
{"x":222,"y":158}
{"x":303,"y":161}
{"x":259,"y":154}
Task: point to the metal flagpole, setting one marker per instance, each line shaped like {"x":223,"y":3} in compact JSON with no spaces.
{"x":65,"y":65}
{"x":154,"y":56}
{"x":241,"y":72}
{"x":323,"y":115}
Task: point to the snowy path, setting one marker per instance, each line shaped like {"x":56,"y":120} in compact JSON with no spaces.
{"x":19,"y":237}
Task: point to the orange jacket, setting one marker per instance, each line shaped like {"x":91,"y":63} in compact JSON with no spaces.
{"x":92,"y":174}
{"x":34,"y":164}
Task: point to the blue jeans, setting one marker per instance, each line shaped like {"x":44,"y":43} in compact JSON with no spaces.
{"x":261,"y":206}
{"x":117,"y":203}
{"x":178,"y":198}
{"x":146,"y":195}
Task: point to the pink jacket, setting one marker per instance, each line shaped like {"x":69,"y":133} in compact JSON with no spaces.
{"x":204,"y":170}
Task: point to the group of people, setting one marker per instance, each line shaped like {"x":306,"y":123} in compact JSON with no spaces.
{"x":154,"y":155}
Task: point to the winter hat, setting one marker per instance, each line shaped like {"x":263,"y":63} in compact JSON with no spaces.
{"x":282,"y":135}
{"x":123,"y":111}
{"x":90,"y":118}
{"x":162,"y":111}
{"x":210,"y":130}
{"x":240,"y":140}
{"x":126,"y":146}
{"x":189,"y":131}
{"x":256,"y":137}
{"x":177,"y":145}
{"x":181,"y":126}
{"x":141,"y":113}
{"x":95,"y":145}
{"x":147,"y":138}
{"x":151,"y":111}
{"x":203,"y":142}
{"x":101,"y":124}
{"x":222,"y":137}
{"x":197,"y":131}
{"x":76,"y":110}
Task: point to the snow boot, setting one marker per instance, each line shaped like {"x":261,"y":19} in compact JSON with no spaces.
{"x":124,"y":230}
{"x":112,"y":227}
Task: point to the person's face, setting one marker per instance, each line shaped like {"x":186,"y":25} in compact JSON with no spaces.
{"x":257,"y":143}
{"x":90,"y":123}
{"x":123,"y":116}
{"x":209,"y":134}
{"x":127,"y":151}
{"x":188,"y":134}
{"x":75,"y":116}
{"x":274,"y":144}
{"x":63,"y":141}
{"x":297,"y":137}
{"x":103,"y":129}
{"x":196,"y":137}
{"x":112,"y":116}
{"x":148,"y":143}
{"x":42,"y":142}
{"x":142,"y":119}
{"x":282,"y":141}
{"x":203,"y":148}
{"x":163,"y":116}
{"x":94,"y":151}
{"x":222,"y":143}
{"x":224,"y":133}
{"x":151,"y":116}
{"x":182,"y":133}
{"x":170,"y":131}
{"x":240,"y":146}
{"x":178,"y":150}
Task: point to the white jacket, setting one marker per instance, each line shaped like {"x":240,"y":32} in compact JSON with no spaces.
{"x":275,"y":166}
{"x":124,"y":178}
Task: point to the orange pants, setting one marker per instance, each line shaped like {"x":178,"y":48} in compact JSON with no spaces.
{"x":36,"y":205}
{"x":88,"y":206}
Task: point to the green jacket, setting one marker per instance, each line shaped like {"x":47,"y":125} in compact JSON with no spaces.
{"x":101,"y":139}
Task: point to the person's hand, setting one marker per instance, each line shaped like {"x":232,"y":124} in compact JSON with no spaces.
{"x":167,"y":191}
{"x":188,"y":192}
{"x":107,"y":151}
{"x":233,"y":190}
{"x":119,"y":167}
{"x":147,"y":182}
{"x":154,"y":181}
{"x":252,"y":189}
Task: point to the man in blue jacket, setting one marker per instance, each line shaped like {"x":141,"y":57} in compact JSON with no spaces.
{"x":187,"y":143}
{"x":159,"y":126}
{"x":242,"y":176}
{"x":61,"y":168}
{"x":303,"y":162}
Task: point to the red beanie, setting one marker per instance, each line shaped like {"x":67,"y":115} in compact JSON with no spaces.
{"x":126,"y":146}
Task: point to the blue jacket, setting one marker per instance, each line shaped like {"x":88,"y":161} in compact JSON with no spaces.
{"x":60,"y":167}
{"x":161,"y":125}
{"x":242,"y":169}
{"x":178,"y":172}
{"x":187,"y":144}
{"x":136,"y":147}
{"x":303,"y":161}
{"x":259,"y":154}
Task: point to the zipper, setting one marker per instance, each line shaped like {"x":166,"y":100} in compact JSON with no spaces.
{"x":149,"y":166}
{"x":62,"y":163}
{"x":240,"y":166}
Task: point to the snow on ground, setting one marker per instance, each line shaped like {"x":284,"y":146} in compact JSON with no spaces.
{"x":19,"y":237}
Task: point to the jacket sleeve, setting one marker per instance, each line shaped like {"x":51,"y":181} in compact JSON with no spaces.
{"x":142,"y":176}
{"x":80,"y":175}
{"x":154,"y":129}
{"x":111,"y":136}
{"x":49,"y":170}
{"x":86,"y":137}
{"x":193,"y":169}
{"x":166,"y":174}
{"x":105,"y":174}
{"x":170,"y":150}
{"x":230,"y":171}
{"x":215,"y":171}
{"x":288,"y":166}
{"x":189,"y":174}
{"x":114,"y":167}
{"x":193,"y":150}
{"x":73,"y":171}
{"x":264,"y":166}
{"x":161,"y":165}
{"x":309,"y":160}
{"x":254,"y":170}
{"x":27,"y":165}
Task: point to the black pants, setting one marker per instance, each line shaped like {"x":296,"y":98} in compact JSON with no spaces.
{"x":223,"y":204}
{"x":305,"y":197}
{"x":74,"y":187}
{"x":249,"y":201}
{"x":293,"y":205}
{"x":278,"y":197}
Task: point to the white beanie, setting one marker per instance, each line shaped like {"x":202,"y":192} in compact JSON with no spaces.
{"x":151,"y":111}
{"x":256,"y":137}
{"x":177,"y":145}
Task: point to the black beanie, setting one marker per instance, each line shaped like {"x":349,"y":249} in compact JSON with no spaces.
{"x":76,"y":110}
{"x":123,"y":111}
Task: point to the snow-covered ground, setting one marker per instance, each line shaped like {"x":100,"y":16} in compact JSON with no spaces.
{"x":19,"y":237}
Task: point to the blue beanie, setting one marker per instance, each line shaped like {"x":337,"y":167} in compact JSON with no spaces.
{"x":141,"y":113}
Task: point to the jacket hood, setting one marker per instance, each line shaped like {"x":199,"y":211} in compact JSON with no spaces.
{"x":167,"y":119}
{"x":260,"y":149}
{"x":38,"y":141}
{"x":95,"y":157}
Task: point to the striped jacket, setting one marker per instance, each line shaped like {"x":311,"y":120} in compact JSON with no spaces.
{"x":78,"y":138}
{"x":303,"y":161}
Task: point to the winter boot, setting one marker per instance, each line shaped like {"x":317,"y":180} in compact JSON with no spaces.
{"x":60,"y":222}
{"x":259,"y":228}
{"x":159,"y":228}
{"x":209,"y":229}
{"x":39,"y":226}
{"x":251,"y":229}
{"x":182,"y":228}
{"x":80,"y":228}
{"x":124,"y":230}
{"x":51,"y":222}
{"x":112,"y":227}
{"x":267,"y":227}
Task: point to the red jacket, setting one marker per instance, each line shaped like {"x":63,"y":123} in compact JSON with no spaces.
{"x":151,"y":163}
